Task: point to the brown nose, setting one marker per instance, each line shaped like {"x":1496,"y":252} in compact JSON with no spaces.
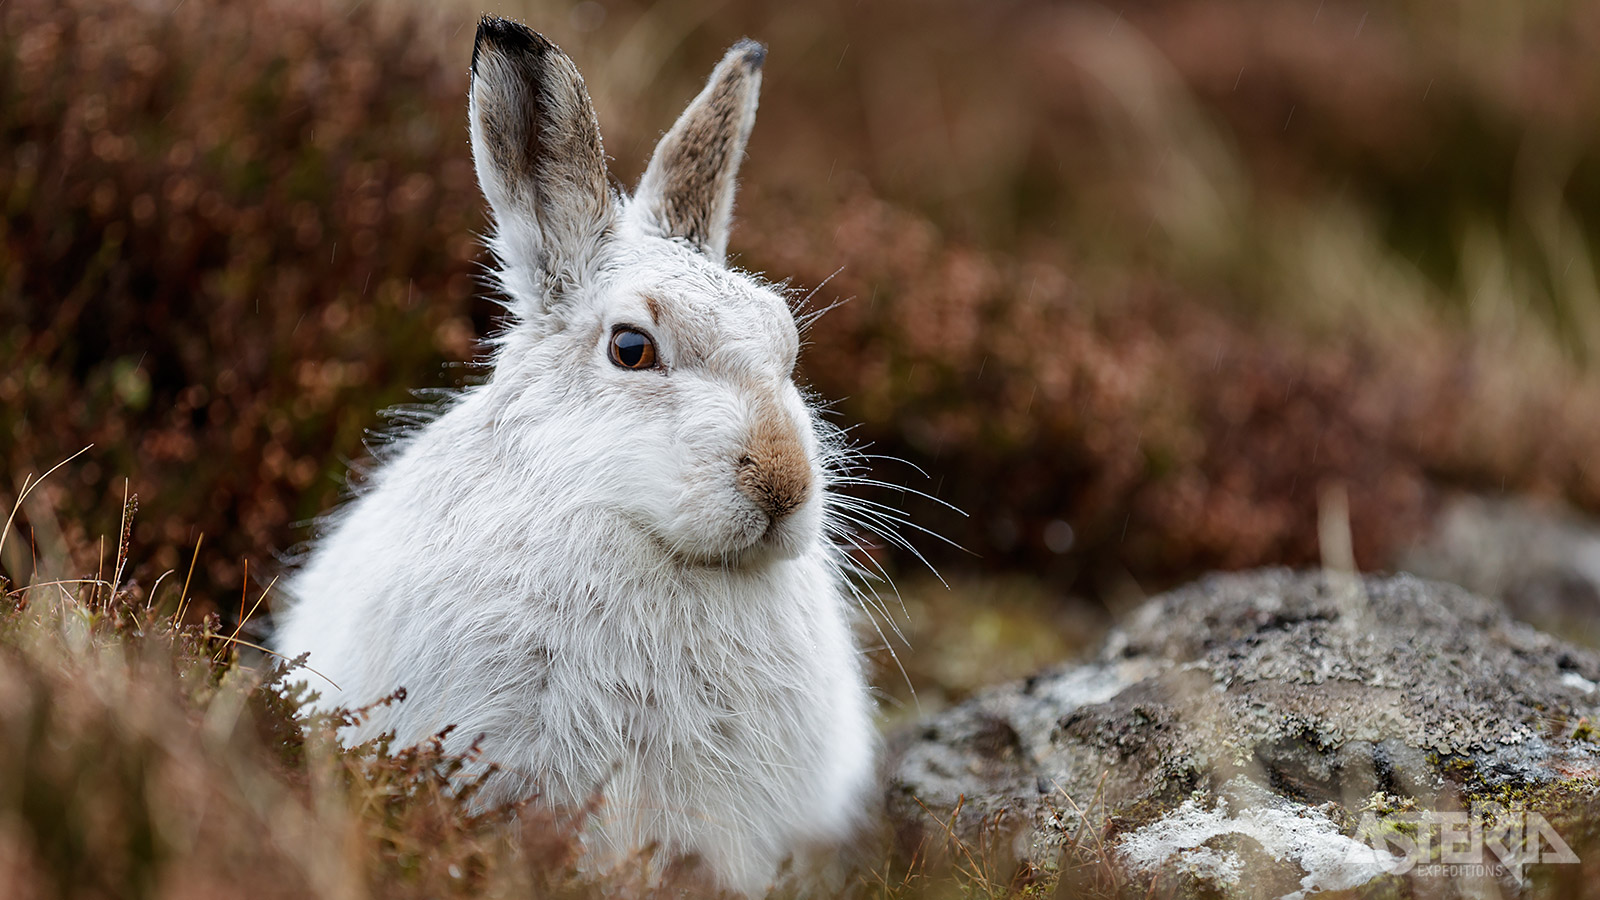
{"x":774,"y":471}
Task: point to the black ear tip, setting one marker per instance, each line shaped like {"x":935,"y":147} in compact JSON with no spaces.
{"x":508,"y":38}
{"x":752,"y":53}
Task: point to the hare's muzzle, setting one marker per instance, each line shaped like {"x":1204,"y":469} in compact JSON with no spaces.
{"x":774,"y":471}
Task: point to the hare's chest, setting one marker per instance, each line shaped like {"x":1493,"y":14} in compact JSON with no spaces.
{"x":717,"y":739}
{"x":692,"y":702}
{"x":663,"y":711}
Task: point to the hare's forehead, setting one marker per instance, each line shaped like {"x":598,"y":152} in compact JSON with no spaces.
{"x":710,"y":316}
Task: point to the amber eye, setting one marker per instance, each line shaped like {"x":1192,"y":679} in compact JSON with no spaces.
{"x":633,"y":349}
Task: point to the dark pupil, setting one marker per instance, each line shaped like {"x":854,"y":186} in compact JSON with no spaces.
{"x":631,"y":347}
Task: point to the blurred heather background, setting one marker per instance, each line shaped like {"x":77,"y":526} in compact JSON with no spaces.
{"x":1147,"y":289}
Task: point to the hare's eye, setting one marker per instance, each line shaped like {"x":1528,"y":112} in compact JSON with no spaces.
{"x":633,"y":349}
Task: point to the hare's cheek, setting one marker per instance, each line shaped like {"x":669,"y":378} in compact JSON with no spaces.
{"x":694,"y":498}
{"x":709,"y":526}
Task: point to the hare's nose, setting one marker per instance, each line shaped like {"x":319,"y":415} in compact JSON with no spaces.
{"x":774,"y":472}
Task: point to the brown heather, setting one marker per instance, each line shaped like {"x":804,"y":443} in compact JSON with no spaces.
{"x":1171,"y":436}
{"x":140,"y":760}
{"x":232,"y":232}
{"x":235,"y":231}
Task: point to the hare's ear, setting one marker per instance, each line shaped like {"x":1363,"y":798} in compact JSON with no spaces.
{"x":536,"y":146}
{"x":687,"y":191}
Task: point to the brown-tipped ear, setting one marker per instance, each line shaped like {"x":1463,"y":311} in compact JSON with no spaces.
{"x":687,"y":191}
{"x":536,"y":147}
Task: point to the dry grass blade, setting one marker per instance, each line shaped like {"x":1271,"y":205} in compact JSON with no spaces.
{"x":183,"y":595}
{"x":28,"y":487}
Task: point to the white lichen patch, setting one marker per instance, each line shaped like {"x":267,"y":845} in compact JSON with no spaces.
{"x":1289,"y":832}
{"x":1219,"y":867}
{"x":1090,"y":684}
{"x":1574,"y":680}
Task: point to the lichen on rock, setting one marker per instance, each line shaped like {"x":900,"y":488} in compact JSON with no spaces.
{"x":1256,"y":715}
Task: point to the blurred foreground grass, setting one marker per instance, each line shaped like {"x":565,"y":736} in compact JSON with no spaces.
{"x":140,"y":757}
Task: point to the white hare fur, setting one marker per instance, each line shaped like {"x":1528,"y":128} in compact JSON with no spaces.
{"x":619,"y":579}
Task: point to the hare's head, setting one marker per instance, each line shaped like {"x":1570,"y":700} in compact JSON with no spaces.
{"x":660,"y":379}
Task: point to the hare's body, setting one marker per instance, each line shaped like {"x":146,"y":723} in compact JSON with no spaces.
{"x":712,"y":711}
{"x":608,"y":561}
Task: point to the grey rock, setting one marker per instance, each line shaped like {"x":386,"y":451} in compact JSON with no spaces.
{"x":1256,"y":713}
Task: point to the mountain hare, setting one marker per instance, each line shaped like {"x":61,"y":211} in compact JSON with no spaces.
{"x":608,"y":562}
